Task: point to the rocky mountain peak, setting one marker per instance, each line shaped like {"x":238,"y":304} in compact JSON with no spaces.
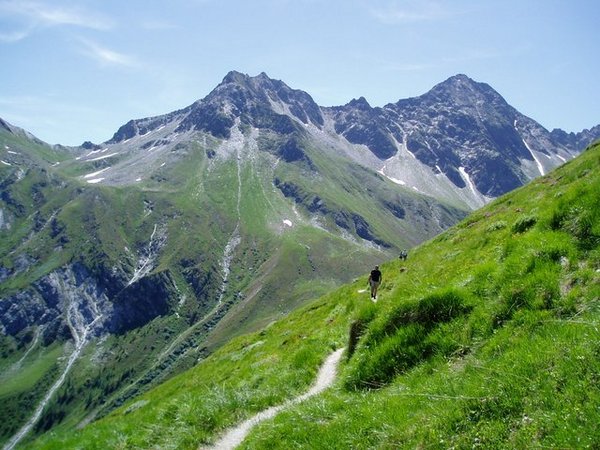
{"x":361,"y":103}
{"x":461,"y":90}
{"x":259,"y":101}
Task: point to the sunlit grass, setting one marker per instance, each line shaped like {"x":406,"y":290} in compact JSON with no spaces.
{"x":488,"y":336}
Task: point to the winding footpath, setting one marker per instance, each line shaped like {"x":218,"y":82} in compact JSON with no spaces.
{"x":235,"y":436}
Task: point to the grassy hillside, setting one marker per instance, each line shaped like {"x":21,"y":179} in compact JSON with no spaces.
{"x":486,"y":337}
{"x":203,"y":246}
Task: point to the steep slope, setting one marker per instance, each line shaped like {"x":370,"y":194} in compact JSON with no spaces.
{"x":486,"y":336}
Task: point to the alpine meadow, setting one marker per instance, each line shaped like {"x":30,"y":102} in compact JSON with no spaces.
{"x":487,"y":336}
{"x":198,"y":268}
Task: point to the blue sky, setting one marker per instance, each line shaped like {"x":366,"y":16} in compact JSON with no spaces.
{"x":77,"y":70}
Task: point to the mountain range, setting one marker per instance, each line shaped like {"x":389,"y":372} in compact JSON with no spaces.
{"x":185,"y":229}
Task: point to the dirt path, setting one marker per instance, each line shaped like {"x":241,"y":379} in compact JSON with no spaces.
{"x":234,"y":436}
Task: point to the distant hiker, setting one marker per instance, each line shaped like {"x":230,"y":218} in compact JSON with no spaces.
{"x":403,"y":255}
{"x":375,"y":281}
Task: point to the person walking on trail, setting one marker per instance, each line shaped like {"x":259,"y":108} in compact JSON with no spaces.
{"x":374,"y":281}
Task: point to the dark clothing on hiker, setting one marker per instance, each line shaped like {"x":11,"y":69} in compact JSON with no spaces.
{"x":374,"y":281}
{"x":375,"y":275}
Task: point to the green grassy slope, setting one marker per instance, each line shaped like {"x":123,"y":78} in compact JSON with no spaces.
{"x":487,"y":336}
{"x":55,"y":221}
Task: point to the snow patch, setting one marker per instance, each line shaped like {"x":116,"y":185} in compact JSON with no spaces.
{"x":98,"y":158}
{"x":5,"y":163}
{"x":93,"y":174}
{"x":11,"y":152}
{"x":537,"y":161}
{"x":138,"y":179}
{"x":288,"y":222}
{"x":396,"y":180}
{"x":95,"y":180}
{"x":467,"y":179}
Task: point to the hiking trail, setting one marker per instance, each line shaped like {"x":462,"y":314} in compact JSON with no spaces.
{"x":235,"y":436}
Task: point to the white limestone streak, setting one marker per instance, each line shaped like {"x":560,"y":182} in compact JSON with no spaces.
{"x":237,"y":142}
{"x":16,"y":366}
{"x":80,"y":331}
{"x":145,"y":262}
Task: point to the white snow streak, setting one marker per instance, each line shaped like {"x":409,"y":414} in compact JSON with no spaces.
{"x":110,"y":155}
{"x":396,"y":180}
{"x":288,"y":222}
{"x":467,"y":178}
{"x":5,"y":163}
{"x":95,"y":180}
{"x":537,"y":161}
{"x":93,"y":174}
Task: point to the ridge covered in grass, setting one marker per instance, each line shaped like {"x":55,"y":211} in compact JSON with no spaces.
{"x":487,"y":336}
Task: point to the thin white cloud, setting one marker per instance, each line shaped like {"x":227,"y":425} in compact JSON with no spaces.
{"x":107,"y":57}
{"x":407,"y":11}
{"x":15,"y":36}
{"x":33,"y":15}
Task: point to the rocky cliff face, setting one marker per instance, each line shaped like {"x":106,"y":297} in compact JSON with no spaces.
{"x":576,"y":141}
{"x":462,"y":130}
{"x":461,"y":141}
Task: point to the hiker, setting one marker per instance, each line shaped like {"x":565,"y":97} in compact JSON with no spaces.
{"x":374,"y":281}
